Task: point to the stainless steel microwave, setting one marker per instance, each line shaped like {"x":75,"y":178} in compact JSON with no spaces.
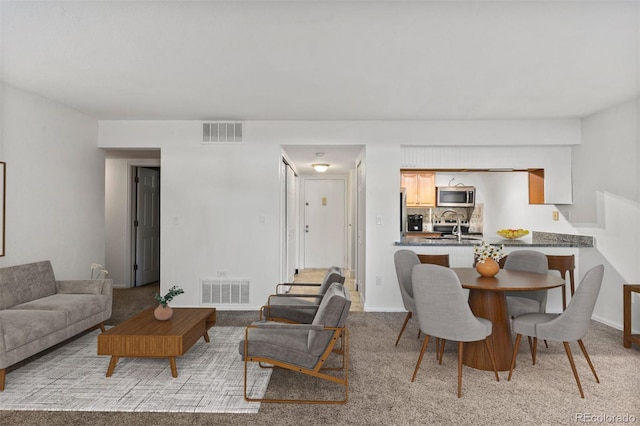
{"x":455,"y":196}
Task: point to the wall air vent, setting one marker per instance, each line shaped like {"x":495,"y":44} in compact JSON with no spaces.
{"x":214,"y":132}
{"x":224,"y":291}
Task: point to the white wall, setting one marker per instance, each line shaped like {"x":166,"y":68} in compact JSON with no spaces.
{"x":212,"y":196}
{"x":212,"y":202}
{"x":607,"y":191}
{"x":55,"y":185}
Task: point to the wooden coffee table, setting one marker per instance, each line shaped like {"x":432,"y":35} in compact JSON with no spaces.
{"x":143,"y":336}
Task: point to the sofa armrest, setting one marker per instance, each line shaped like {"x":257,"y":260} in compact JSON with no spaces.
{"x":103,"y":287}
{"x":3,"y":349}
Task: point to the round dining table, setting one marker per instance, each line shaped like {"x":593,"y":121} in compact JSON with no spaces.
{"x":487,"y":299}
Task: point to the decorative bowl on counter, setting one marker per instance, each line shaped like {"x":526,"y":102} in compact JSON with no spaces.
{"x":512,"y":234}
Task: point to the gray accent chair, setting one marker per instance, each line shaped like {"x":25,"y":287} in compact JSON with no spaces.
{"x":443,"y":312}
{"x":404,"y":261}
{"x":299,"y":308}
{"x":571,"y":325}
{"x":524,"y":302}
{"x":303,"y":348}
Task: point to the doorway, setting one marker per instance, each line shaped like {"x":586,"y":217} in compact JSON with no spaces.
{"x":324,"y":223}
{"x":146,"y":225}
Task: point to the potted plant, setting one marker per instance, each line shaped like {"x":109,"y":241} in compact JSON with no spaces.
{"x":163,"y":312}
{"x":487,"y":257}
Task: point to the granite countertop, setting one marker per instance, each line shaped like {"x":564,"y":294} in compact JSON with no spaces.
{"x":537,"y":239}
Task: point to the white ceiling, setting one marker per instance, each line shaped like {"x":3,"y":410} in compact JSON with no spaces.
{"x":324,"y":60}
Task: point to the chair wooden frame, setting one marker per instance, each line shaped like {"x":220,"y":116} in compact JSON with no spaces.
{"x":564,"y":264}
{"x":339,"y":333}
{"x":435,"y":259}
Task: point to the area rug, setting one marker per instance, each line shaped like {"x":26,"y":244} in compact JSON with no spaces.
{"x":72,"y":378}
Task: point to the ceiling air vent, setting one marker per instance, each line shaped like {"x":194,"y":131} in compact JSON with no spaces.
{"x":221,"y":132}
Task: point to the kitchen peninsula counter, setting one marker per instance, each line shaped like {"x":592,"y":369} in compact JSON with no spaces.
{"x":538,"y":239}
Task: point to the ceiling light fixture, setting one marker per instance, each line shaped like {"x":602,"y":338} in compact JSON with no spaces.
{"x":320,"y":167}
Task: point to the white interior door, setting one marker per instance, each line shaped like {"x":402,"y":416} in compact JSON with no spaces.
{"x":292,"y":224}
{"x":288,"y":222}
{"x":147,"y":226}
{"x":324,"y":223}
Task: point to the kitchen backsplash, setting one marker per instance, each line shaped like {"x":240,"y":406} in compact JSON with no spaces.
{"x":472,"y":215}
{"x":476,"y":222}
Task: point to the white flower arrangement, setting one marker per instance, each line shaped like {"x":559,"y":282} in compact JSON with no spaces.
{"x":484,"y":251}
{"x":98,"y":272}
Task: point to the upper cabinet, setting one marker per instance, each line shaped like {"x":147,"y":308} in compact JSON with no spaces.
{"x":420,"y":187}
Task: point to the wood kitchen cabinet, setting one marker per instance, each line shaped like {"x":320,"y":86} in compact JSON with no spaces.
{"x":420,"y":187}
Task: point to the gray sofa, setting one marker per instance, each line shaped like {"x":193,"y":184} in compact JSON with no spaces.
{"x":37,"y":312}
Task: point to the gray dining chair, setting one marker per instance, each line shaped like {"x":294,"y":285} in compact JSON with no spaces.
{"x":524,"y":302}
{"x":443,"y":312}
{"x":570,"y":325}
{"x":404,"y":261}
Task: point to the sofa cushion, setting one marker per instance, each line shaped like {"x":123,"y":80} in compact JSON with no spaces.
{"x":21,"y":326}
{"x":22,"y":283}
{"x":75,"y":307}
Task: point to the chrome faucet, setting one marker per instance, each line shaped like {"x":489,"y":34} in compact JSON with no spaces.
{"x":457,"y":231}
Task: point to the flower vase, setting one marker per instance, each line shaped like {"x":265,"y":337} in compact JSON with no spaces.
{"x":163,"y":313}
{"x":488,"y":268}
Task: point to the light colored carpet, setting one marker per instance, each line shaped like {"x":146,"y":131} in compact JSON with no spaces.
{"x":381,"y":392}
{"x":72,"y":378}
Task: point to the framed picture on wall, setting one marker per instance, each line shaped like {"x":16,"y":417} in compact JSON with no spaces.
{"x":3,"y":187}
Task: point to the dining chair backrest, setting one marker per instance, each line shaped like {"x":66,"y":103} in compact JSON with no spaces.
{"x":435,"y":259}
{"x":528,"y":261}
{"x":441,"y":305}
{"x":573,"y":323}
{"x":404,"y":261}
